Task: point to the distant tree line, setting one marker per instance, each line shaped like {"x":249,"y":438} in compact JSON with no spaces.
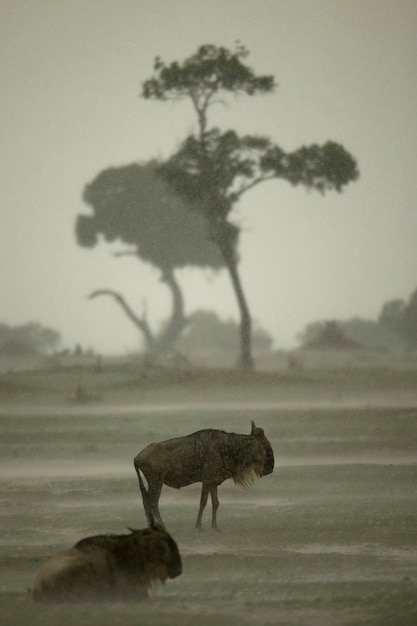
{"x":394,"y":329}
{"x":206,"y":332}
{"x":31,"y":337}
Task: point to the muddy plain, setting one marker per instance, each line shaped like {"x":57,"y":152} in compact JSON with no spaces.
{"x":329,"y":538}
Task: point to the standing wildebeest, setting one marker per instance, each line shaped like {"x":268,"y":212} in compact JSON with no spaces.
{"x":208,"y":456}
{"x":109,"y":567}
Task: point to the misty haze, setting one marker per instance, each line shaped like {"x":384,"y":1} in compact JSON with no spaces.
{"x":208,"y":248}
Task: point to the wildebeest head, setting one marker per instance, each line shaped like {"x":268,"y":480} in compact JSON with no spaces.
{"x":253,"y":456}
{"x":268,"y":464}
{"x":163,"y":549}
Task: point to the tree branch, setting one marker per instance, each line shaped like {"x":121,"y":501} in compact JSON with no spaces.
{"x":244,"y":188}
{"x":140,"y":323}
{"x":126,"y":253}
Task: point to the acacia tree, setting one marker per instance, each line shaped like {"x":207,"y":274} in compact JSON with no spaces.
{"x":213,"y":169}
{"x":134,"y":205}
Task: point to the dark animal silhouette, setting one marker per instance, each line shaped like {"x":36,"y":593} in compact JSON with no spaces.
{"x":109,"y":567}
{"x":208,"y":456}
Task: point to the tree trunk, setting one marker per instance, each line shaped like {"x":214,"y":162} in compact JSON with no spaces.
{"x":169,"y":336}
{"x":175,"y":325}
{"x":225,"y":237}
{"x":246,"y":360}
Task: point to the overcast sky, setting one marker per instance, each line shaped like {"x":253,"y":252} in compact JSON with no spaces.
{"x":71,"y":75}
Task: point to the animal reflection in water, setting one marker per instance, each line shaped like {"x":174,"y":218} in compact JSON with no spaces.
{"x":109,"y":567}
{"x":208,"y":456}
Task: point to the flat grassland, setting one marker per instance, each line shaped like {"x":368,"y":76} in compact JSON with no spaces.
{"x":329,"y":538}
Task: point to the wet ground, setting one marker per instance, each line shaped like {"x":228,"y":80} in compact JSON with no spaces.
{"x":329,"y":538}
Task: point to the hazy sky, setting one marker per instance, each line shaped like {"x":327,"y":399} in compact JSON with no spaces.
{"x":71,"y":75}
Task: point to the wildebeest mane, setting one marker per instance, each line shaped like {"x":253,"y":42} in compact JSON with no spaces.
{"x":109,"y":541}
{"x":118,"y":549}
{"x":245,"y":456}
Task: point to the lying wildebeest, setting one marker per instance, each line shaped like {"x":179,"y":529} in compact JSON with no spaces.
{"x":208,"y":456}
{"x":109,"y":567}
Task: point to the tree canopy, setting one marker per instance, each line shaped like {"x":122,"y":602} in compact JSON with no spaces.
{"x":209,"y":73}
{"x":134,"y":205}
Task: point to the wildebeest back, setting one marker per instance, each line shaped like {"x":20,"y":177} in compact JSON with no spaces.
{"x":207,"y":455}
{"x":185,"y":460}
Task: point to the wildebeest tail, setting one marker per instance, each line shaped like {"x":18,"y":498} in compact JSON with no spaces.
{"x":143,"y":490}
{"x":145,"y":494}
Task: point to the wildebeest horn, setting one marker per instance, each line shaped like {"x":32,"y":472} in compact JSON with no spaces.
{"x":253,"y":428}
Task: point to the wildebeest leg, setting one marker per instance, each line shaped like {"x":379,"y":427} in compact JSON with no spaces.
{"x":203,"y":501}
{"x":214,"y":505}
